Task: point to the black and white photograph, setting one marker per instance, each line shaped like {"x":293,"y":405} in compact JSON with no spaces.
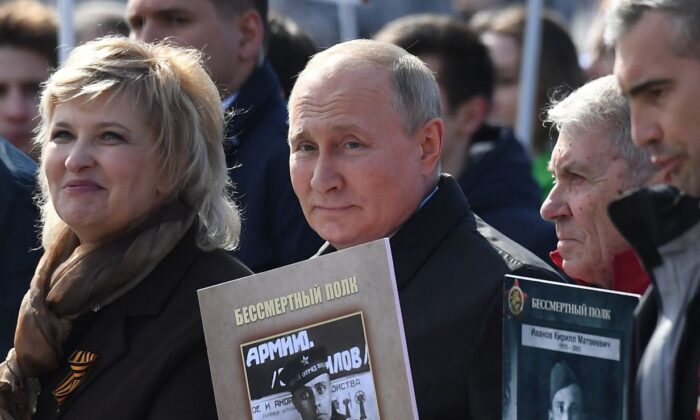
{"x":317,"y":372}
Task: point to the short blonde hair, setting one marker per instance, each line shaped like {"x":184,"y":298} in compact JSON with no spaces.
{"x":170,"y":86}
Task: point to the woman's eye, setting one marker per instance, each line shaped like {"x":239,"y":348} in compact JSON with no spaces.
{"x":111,"y":136}
{"x":61,"y":136}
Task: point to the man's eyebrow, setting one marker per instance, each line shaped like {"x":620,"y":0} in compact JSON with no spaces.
{"x":296,"y":137}
{"x":569,"y":167}
{"x":301,"y":134}
{"x":645,"y":86}
{"x":341,"y":128}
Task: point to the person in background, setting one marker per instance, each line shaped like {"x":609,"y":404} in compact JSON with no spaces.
{"x":98,"y":18}
{"x":366,"y":136}
{"x":559,"y":72}
{"x":601,"y":57}
{"x":657,"y":63}
{"x":289,"y":49}
{"x":490,"y":165}
{"x":110,"y":327}
{"x":594,"y":161}
{"x":231,"y":34}
{"x":28,"y":42}
{"x":27,"y":52}
{"x":18,"y":247}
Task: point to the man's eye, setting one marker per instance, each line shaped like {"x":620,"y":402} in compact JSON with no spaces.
{"x":178,"y":20}
{"x":305,"y":147}
{"x":656,"y":94}
{"x":31,"y":89}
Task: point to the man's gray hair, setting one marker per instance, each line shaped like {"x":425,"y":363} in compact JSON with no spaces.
{"x":684,"y":13}
{"x":416,"y":92}
{"x":601,"y":104}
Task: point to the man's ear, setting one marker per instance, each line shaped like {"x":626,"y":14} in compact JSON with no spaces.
{"x":470,"y":116}
{"x":431,"y":136}
{"x":252,"y":30}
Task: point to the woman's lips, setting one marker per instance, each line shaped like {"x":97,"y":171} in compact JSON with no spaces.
{"x":81,"y":186}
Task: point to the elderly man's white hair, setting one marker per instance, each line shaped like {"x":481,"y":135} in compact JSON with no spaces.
{"x":600,"y":103}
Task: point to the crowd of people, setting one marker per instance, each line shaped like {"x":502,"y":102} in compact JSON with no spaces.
{"x":218,"y":140}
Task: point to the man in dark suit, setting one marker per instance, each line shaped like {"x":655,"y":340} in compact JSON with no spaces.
{"x":231,"y":33}
{"x":366,"y":138}
{"x":18,"y":236}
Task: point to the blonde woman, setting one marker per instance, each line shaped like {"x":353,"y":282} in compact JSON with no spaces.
{"x":136,"y":218}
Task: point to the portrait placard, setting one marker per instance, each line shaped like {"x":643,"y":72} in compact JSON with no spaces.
{"x":342,"y":308}
{"x":565,"y":348}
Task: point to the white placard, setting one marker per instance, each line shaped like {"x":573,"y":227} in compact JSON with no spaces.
{"x":571,"y":342}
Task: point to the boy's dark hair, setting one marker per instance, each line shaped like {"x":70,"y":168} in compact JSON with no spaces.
{"x":30,"y":25}
{"x":465,"y":70}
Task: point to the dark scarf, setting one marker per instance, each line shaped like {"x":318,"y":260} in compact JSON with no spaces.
{"x":70,"y":280}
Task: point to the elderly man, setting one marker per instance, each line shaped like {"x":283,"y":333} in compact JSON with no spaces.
{"x":231,"y":35}
{"x":593,"y":162}
{"x":658,"y":66}
{"x":487,"y":161}
{"x":366,"y":136}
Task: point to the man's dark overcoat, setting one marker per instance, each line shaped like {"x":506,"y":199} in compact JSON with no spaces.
{"x":449,"y":267}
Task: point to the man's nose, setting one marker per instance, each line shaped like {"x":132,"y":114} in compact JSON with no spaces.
{"x":326,"y":176}
{"x":645,"y":129}
{"x":555,"y":206}
{"x":17,"y":107}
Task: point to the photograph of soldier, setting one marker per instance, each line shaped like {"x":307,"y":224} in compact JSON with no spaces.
{"x":319,"y":371}
{"x":308,"y":380}
{"x":556,"y":385}
{"x":565,"y":394}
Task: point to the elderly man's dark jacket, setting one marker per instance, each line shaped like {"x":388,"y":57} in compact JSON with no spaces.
{"x":275,"y":232}
{"x":18,"y":236}
{"x":151,"y":356}
{"x":449,"y":267}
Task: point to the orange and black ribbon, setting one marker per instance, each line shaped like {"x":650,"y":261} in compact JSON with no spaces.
{"x":80,"y":363}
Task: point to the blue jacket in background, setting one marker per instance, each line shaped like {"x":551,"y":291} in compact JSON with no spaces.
{"x":501,"y":190}
{"x":18,"y":236}
{"x":275,"y":232}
